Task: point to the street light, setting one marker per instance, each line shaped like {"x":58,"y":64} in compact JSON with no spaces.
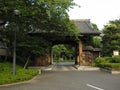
{"x":16,"y":13}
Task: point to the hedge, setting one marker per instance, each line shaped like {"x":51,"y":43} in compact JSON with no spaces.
{"x":111,"y":62}
{"x":110,"y":65}
{"x":102,"y":60}
{"x":116,"y":59}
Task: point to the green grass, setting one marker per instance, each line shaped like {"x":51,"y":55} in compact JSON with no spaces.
{"x":21,"y":74}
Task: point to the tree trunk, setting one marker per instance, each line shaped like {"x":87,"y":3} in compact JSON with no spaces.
{"x":27,"y":62}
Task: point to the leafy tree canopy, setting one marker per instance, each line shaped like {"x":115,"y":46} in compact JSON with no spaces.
{"x":68,"y":50}
{"x":96,"y":40}
{"x":111,"y":38}
{"x":37,"y":14}
{"x":95,"y":26}
{"x":40,"y":15}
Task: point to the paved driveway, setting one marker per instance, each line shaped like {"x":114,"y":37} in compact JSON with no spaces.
{"x":70,"y":80}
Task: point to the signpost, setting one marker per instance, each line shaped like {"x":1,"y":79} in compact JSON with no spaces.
{"x":115,"y":52}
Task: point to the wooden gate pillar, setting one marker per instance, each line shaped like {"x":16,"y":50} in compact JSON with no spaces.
{"x":48,"y":56}
{"x":51,"y":56}
{"x":76,"y":54}
{"x":79,"y":51}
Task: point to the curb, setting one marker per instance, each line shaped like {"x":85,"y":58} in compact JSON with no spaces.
{"x":110,"y":71}
{"x":85,"y":68}
{"x":76,"y":66}
{"x":42,"y":68}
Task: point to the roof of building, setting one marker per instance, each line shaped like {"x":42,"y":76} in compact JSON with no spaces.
{"x":85,"y":27}
{"x":97,"y":49}
{"x":90,"y":48}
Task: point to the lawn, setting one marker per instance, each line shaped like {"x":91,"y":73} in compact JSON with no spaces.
{"x":21,"y":74}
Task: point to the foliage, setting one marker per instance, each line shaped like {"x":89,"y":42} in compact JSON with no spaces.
{"x":61,"y":48}
{"x":108,"y":59}
{"x":111,"y":38}
{"x":95,"y":26}
{"x":36,"y":15}
{"x":116,"y":59}
{"x":21,"y":74}
{"x":108,"y":62}
{"x":96,"y":40}
{"x":110,"y":65}
{"x":100,"y":60}
{"x":57,"y":49}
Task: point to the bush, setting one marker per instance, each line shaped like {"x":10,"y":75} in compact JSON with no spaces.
{"x":108,"y":59}
{"x":110,"y":65}
{"x":21,"y":74}
{"x":108,"y":62}
{"x":98,"y":60}
{"x":102,"y":60}
{"x":116,"y":59}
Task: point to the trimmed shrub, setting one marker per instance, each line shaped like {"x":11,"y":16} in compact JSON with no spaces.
{"x":102,"y":60}
{"x":108,"y":59}
{"x":110,"y":65}
{"x":99,"y":60}
{"x":108,"y":62}
{"x":116,"y":59}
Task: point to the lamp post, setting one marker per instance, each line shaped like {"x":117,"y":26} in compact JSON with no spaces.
{"x":16,"y":13}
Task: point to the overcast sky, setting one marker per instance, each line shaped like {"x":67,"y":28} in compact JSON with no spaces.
{"x":98,"y":11}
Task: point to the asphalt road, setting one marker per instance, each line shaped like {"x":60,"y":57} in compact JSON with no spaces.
{"x":67,"y":66}
{"x":70,"y":80}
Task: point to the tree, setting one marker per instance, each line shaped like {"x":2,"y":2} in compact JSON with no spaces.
{"x":95,"y":26}
{"x":111,"y":38}
{"x":68,"y":50}
{"x":37,"y":14}
{"x":41,"y":15}
{"x":96,"y":40}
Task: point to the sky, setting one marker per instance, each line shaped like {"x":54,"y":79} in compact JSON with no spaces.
{"x":99,"y":12}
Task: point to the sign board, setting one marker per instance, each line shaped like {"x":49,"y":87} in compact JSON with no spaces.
{"x":116,"y":52}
